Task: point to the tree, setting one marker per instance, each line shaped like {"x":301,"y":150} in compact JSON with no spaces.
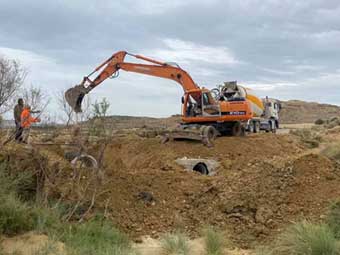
{"x":35,"y":97}
{"x":67,"y":114}
{"x":12,"y":76}
{"x":100,"y":109}
{"x":66,"y":109}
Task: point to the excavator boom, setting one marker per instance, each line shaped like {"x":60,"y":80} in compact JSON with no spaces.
{"x":203,"y":115}
{"x":110,"y":68}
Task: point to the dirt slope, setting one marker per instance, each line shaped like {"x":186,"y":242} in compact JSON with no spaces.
{"x":295,"y":111}
{"x":263,"y":183}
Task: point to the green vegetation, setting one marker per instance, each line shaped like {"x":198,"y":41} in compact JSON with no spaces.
{"x":96,"y":237}
{"x":309,"y":137}
{"x":175,"y":244}
{"x":100,"y":109}
{"x":333,"y":219}
{"x":305,"y":238}
{"x":214,"y":241}
{"x":18,"y":215}
{"x":319,"y":122}
{"x":14,"y":215}
{"x":332,"y":151}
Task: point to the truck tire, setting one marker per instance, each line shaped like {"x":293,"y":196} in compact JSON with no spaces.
{"x":251,"y":128}
{"x":210,"y":132}
{"x":257,"y":127}
{"x":237,"y":129}
{"x":273,"y":127}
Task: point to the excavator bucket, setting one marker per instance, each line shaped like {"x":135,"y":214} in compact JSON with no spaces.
{"x":74,"y":97}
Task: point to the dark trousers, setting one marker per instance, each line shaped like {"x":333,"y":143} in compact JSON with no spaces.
{"x":18,"y":131}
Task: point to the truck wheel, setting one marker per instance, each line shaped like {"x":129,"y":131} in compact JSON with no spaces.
{"x":273,"y":127}
{"x":274,"y":130}
{"x":256,"y":127}
{"x":237,"y":129}
{"x":251,"y":127}
{"x":210,"y":132}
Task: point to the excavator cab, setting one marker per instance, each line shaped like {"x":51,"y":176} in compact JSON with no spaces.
{"x":200,"y":103}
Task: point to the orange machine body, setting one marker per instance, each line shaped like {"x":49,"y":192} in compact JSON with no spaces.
{"x":198,"y":105}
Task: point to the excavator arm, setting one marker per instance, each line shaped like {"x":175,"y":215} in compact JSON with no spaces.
{"x":110,"y":68}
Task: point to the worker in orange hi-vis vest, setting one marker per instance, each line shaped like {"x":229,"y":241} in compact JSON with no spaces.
{"x":26,"y":122}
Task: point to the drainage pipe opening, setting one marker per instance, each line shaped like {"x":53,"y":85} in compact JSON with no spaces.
{"x":201,"y":168}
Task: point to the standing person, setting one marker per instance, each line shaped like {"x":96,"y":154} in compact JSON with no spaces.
{"x":26,"y":122}
{"x":17,"y":118}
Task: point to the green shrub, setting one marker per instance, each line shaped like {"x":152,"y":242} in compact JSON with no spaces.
{"x":214,"y":241}
{"x":96,"y":237}
{"x":332,"y":151}
{"x":305,"y":238}
{"x":22,"y":183}
{"x":14,"y":215}
{"x":333,"y":219}
{"x":319,"y":122}
{"x":45,"y":220}
{"x":309,"y":137}
{"x":176,"y":243}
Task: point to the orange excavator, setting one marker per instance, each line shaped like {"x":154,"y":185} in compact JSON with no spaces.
{"x":201,"y":110}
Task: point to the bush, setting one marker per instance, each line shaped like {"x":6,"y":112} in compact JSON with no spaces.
{"x":333,"y":219}
{"x":96,"y":237}
{"x":307,"y":239}
{"x":332,"y":151}
{"x":176,"y":243}
{"x":319,"y":122}
{"x":14,"y":215}
{"x":309,"y":137}
{"x":22,"y":183}
{"x":214,"y":241}
{"x":45,"y":220}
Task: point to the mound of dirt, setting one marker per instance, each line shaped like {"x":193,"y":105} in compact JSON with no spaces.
{"x":259,"y":188}
{"x":264,"y":181}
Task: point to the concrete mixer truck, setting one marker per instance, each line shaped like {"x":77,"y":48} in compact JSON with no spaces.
{"x":265,"y":111}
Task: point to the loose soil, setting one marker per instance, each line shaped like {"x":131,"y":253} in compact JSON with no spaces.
{"x":264,"y":182}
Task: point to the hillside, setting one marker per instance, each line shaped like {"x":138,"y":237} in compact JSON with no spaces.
{"x":293,"y":112}
{"x":296,"y":111}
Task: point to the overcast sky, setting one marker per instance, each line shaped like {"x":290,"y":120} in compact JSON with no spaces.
{"x":287,"y":49}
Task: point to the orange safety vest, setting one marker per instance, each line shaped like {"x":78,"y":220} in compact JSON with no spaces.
{"x":27,"y":119}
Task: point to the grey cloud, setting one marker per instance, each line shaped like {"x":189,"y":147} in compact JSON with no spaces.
{"x":273,"y":41}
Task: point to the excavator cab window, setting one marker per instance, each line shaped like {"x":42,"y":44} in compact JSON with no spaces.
{"x":209,"y":106}
{"x":193,"y":106}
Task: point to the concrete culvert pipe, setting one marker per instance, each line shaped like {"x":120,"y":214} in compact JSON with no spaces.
{"x":201,"y":168}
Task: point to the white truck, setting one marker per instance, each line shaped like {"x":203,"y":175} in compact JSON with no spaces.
{"x":265,"y":117}
{"x":265,"y":111}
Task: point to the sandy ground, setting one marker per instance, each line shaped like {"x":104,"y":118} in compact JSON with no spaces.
{"x":33,"y":244}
